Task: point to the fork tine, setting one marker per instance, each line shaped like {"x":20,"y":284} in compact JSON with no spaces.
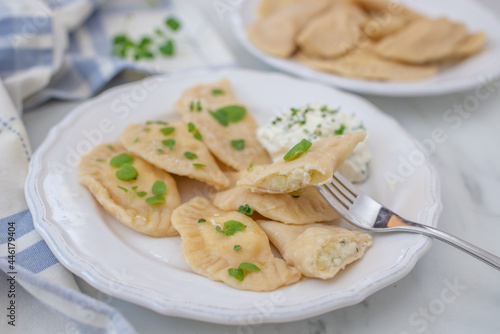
{"x":343,"y":190}
{"x":346,"y":184}
{"x":331,"y":197}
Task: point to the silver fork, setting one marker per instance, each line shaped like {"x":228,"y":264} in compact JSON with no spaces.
{"x":365,"y":213}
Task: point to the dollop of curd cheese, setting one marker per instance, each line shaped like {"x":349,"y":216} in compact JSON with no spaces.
{"x":314,"y":122}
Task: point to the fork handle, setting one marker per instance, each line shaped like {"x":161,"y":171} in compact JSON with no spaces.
{"x":396,"y":223}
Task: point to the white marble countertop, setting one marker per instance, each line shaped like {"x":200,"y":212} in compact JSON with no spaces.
{"x":447,"y":291}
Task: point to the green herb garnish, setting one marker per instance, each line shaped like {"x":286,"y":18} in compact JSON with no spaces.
{"x":229,"y":114}
{"x":136,"y":139}
{"x":160,"y":151}
{"x":236,"y":273}
{"x":340,"y":130}
{"x":191,"y":107}
{"x":127,"y":172}
{"x":231,"y":227}
{"x":141,"y":193}
{"x":159,"y":188}
{"x":167,"y":48}
{"x":199,"y":165}
{"x":239,"y":273}
{"x":120,"y":159}
{"x":217,"y":91}
{"x":190,"y":155}
{"x":172,"y":23}
{"x":99,"y":160}
{"x":167,"y":130}
{"x":110,"y":147}
{"x":157,"y":199}
{"x":236,"y":247}
{"x":238,"y":144}
{"x":197,"y":135}
{"x":250,"y":167}
{"x":201,"y":220}
{"x":156,"y":122}
{"x":246,"y":210}
{"x":124,"y":189}
{"x":299,"y":149}
{"x":198,"y":106}
{"x":191,"y":127}
{"x":170,"y":143}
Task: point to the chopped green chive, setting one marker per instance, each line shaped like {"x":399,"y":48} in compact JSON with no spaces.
{"x":141,"y":193}
{"x":159,"y":150}
{"x":191,"y":127}
{"x":201,"y":220}
{"x":236,"y":247}
{"x":250,"y":167}
{"x":248,"y":266}
{"x":124,"y":189}
{"x":136,"y":139}
{"x":190,"y":155}
{"x":170,"y":143}
{"x":340,"y":130}
{"x":159,"y":188}
{"x":198,"y":106}
{"x":199,"y":165}
{"x":218,"y":228}
{"x":156,"y":122}
{"x":110,"y":147}
{"x":299,"y":149}
{"x":99,"y":160}
{"x":134,"y":188}
{"x":246,"y":210}
{"x":217,"y":91}
{"x":127,"y":172}
{"x":238,"y":144}
{"x":191,"y":106}
{"x":120,"y":159}
{"x":167,"y":130}
{"x":229,"y":114}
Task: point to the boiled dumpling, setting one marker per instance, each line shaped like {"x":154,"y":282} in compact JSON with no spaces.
{"x":136,"y":193}
{"x":227,"y":128}
{"x":276,"y":33}
{"x":314,"y":167}
{"x":173,"y":148}
{"x":317,"y":250}
{"x":229,"y":247}
{"x":303,"y":207}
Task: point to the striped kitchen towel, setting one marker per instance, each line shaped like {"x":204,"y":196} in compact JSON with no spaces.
{"x":64,"y":49}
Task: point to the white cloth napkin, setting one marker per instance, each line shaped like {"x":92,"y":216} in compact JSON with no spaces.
{"x":63,"y":49}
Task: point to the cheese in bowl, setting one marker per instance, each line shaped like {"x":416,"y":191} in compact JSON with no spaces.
{"x":314,"y":122}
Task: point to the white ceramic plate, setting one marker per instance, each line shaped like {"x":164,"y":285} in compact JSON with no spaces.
{"x":466,"y":75}
{"x":151,"y":272}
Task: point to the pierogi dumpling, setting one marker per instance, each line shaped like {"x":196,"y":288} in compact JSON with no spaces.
{"x":317,"y":250}
{"x":365,"y":64}
{"x":334,"y":33}
{"x":276,"y":33}
{"x":423,"y":41}
{"x":314,"y":167}
{"x":304,"y":207}
{"x":173,"y":148}
{"x":229,"y":247}
{"x":228,"y":129}
{"x":127,"y":189}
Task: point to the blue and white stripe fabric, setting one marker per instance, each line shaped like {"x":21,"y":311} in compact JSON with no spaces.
{"x":62,"y":49}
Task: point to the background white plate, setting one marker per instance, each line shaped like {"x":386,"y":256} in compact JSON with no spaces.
{"x":151,"y":272}
{"x":465,"y":75}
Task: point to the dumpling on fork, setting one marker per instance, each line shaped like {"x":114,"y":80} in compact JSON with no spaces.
{"x":314,"y":166}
